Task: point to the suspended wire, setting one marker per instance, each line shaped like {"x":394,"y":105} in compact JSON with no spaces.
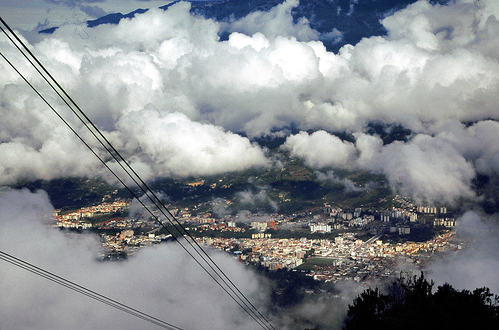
{"x":120,"y":180}
{"x":84,"y":291}
{"x":242,"y":300}
{"x":128,"y":188}
{"x":248,"y":306}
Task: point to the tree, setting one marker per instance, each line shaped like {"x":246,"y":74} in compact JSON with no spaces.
{"x":411,"y":304}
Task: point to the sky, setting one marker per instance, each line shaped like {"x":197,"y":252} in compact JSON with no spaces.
{"x":28,"y":14}
{"x":177,"y":101}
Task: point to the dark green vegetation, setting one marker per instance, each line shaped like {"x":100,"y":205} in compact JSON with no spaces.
{"x":287,"y":190}
{"x":389,"y":133}
{"x":418,"y":234}
{"x":74,"y":193}
{"x":412,"y":304}
{"x":310,"y":263}
{"x":291,"y":189}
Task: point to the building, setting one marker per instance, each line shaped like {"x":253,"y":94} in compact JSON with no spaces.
{"x":320,"y":228}
{"x":126,"y":234}
{"x":261,"y":235}
{"x":427,"y":209}
{"x":445,"y":222}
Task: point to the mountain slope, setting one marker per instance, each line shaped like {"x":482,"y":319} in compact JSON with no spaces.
{"x":353,"y":19}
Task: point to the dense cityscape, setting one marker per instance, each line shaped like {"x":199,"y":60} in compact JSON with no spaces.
{"x":327,"y":243}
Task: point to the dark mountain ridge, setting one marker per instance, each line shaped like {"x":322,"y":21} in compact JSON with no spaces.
{"x":354,"y":19}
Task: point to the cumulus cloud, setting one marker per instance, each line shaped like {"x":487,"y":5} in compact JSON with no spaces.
{"x":478,"y":142}
{"x":429,"y":169}
{"x":320,"y":149}
{"x":161,"y":281}
{"x":172,"y":96}
{"x":278,"y":21}
{"x":176,"y":145}
{"x":426,"y":169}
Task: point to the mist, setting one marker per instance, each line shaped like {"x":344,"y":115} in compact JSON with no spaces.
{"x":477,"y":264}
{"x":162,"y":281}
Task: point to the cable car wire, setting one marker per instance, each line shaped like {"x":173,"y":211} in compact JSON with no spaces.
{"x":128,"y":188}
{"x":236,"y":295}
{"x":84,"y":291}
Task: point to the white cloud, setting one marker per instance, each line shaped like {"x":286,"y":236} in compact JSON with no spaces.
{"x":369,"y":148}
{"x":170,"y":96}
{"x":176,"y":145}
{"x":427,"y":169}
{"x":475,"y":266}
{"x":248,"y":199}
{"x":437,"y":63}
{"x":278,"y":21}
{"x":320,"y":149}
{"x":478,"y":143}
{"x":161,"y":281}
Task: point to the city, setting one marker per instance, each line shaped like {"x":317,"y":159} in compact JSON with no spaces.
{"x":327,"y":243}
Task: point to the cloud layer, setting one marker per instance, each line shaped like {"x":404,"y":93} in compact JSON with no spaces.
{"x":172,"y":96}
{"x":161,"y":281}
{"x":477,"y":265}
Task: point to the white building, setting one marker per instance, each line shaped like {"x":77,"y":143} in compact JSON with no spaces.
{"x":320,"y":228}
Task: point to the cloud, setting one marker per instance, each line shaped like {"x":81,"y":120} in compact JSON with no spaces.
{"x":320,"y":149}
{"x":331,"y":177}
{"x":93,"y":11}
{"x":477,"y":142}
{"x":260,"y":199}
{"x":474,"y":266}
{"x":219,"y":207}
{"x":175,"y":100}
{"x":325,"y":313}
{"x":426,"y":169}
{"x":334,"y":36}
{"x":176,"y":145}
{"x":161,"y":281}
{"x":275,"y":22}
{"x":207,"y":98}
{"x":429,"y":169}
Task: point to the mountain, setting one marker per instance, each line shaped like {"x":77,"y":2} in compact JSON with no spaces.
{"x":355,"y":19}
{"x":113,"y":18}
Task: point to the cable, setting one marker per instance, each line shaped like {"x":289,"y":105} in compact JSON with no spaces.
{"x":248,"y":306}
{"x":84,"y":291}
{"x":154,"y":199}
{"x":123,"y":183}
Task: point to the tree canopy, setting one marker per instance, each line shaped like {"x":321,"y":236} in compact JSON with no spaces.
{"x":411,"y":303}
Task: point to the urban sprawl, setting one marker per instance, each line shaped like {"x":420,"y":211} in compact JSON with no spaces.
{"x":354,"y":245}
